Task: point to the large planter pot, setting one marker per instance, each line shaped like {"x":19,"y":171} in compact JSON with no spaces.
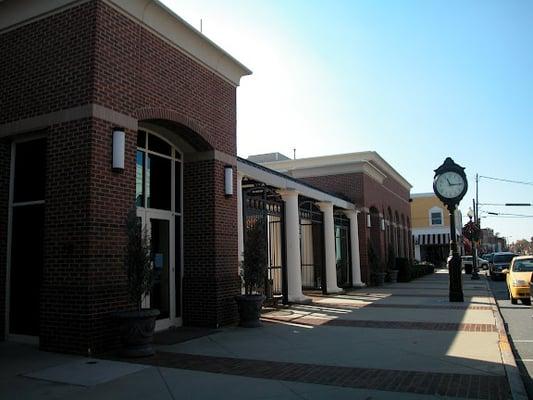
{"x":137,"y":332}
{"x":250,"y":310}
{"x":393,"y":276}
{"x":378,"y":278}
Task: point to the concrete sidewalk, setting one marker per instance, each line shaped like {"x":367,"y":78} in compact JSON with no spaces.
{"x":399,"y":341}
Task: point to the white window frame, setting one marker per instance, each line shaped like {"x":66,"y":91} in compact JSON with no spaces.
{"x":145,"y":213}
{"x":434,"y":210}
{"x":34,"y":340}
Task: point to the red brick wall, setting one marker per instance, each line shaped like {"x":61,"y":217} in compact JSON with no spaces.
{"x":65,"y":323}
{"x":210,"y":246}
{"x":5,"y":157}
{"x":47,"y":65}
{"x":160,"y":76}
{"x":367,"y":192}
{"x":93,"y":54}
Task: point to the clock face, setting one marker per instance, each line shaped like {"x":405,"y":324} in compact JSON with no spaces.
{"x":450,"y":184}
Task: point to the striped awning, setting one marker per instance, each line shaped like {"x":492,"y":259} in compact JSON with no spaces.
{"x":432,"y":239}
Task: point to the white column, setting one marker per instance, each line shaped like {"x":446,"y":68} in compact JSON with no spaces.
{"x":329,"y":247}
{"x":354,"y":248}
{"x":240,"y":226}
{"x":292,"y":245}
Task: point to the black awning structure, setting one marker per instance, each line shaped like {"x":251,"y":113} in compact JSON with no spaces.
{"x":427,"y":239}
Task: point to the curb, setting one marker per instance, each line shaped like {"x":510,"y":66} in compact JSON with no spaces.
{"x":518,"y":390}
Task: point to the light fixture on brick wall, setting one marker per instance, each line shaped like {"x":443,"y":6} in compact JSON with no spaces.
{"x":368,"y":221}
{"x":228,"y":180}
{"x":382,"y":224}
{"x":119,"y":142}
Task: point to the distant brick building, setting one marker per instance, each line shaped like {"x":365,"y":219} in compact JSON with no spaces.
{"x":71,"y":73}
{"x":379,"y":192}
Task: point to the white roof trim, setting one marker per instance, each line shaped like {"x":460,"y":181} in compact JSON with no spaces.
{"x":339,"y":159}
{"x":364,"y":167}
{"x":423,"y":195}
{"x":259,"y":174}
{"x":152,"y":14}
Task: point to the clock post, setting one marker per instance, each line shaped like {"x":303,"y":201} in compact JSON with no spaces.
{"x":450,"y":186}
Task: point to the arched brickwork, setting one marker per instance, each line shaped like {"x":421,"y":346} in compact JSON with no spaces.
{"x":189,"y":129}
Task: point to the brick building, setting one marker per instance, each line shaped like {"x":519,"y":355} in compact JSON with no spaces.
{"x":113,"y":105}
{"x":378,"y":191}
{"x":74,"y":75}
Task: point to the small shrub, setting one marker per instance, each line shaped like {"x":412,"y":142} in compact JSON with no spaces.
{"x":255,"y":258}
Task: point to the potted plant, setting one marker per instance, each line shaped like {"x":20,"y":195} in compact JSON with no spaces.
{"x":376,"y":269}
{"x":253,"y":273}
{"x":392,"y":268}
{"x":137,"y":326}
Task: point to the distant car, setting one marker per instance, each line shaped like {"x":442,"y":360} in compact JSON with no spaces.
{"x":488,"y":257}
{"x":500,"y":261}
{"x":466,"y":261}
{"x":518,"y":278}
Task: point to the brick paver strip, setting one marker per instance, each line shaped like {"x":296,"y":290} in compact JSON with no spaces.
{"x":390,"y":305}
{"x":427,"y":326}
{"x":430,"y":383}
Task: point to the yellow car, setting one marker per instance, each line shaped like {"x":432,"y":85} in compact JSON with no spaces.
{"x":518,"y":278}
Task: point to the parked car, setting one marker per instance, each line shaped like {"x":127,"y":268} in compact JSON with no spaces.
{"x":500,"y":261}
{"x":488,"y":257}
{"x":518,"y":278}
{"x":466,"y":262}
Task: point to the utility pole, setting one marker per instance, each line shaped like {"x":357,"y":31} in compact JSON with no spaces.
{"x":476,"y":208}
{"x":475,"y":275}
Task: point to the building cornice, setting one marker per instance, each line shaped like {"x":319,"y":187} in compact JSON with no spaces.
{"x":345,"y":160}
{"x":357,"y":167}
{"x":152,"y":14}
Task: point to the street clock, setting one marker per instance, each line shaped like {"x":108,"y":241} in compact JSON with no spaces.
{"x":450,"y":184}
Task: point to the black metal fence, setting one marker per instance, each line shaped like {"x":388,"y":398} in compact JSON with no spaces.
{"x":312,"y":246}
{"x":262,"y":202}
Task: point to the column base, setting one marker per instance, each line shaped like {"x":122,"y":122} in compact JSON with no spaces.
{"x":359,"y":285}
{"x":334,"y":290}
{"x":300,"y":299}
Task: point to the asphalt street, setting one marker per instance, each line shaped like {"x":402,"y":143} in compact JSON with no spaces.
{"x":519,"y":324}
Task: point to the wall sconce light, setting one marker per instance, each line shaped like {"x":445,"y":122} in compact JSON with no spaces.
{"x":119,"y":143}
{"x":228,"y":180}
{"x":382,"y":224}
{"x":368,"y":223}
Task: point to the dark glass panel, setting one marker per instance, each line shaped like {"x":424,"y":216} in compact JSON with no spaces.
{"x":139,"y":179}
{"x":26,"y":269}
{"x":160,"y":241}
{"x":159,"y":145}
{"x":30,"y":171}
{"x":141,"y":139}
{"x":159,"y":178}
{"x":177,"y":262}
{"x":177,"y":187}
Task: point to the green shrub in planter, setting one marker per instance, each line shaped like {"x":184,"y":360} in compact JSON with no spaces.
{"x":404,"y":269}
{"x":254,"y":273}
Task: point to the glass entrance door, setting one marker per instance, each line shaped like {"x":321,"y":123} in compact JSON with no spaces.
{"x":167,"y":281}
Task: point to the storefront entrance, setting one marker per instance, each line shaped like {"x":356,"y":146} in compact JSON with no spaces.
{"x":159,"y":206}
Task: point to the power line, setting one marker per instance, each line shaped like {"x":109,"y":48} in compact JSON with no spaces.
{"x":507,"y":180}
{"x":490,"y":213}
{"x":506,"y":204}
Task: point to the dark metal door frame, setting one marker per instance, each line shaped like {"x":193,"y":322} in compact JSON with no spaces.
{"x":308,"y":210}
{"x":342,"y":223}
{"x":260,"y":202}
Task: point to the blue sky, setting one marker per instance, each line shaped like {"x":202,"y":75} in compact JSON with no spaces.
{"x":416,"y":81}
